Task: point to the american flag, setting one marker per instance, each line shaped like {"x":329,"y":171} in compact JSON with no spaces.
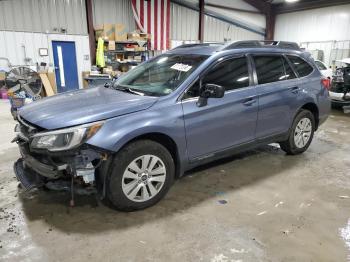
{"x":153,"y":17}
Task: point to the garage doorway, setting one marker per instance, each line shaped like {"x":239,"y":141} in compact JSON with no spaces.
{"x":65,"y":63}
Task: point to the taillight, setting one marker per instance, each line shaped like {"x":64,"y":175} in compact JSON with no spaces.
{"x":326,"y":82}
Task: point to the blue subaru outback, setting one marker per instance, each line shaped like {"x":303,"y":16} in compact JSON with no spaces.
{"x":196,"y":103}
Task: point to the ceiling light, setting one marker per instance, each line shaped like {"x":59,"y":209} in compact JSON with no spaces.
{"x":291,"y":1}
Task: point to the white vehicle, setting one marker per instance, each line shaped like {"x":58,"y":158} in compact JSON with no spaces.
{"x":327,"y":72}
{"x":340,"y":89}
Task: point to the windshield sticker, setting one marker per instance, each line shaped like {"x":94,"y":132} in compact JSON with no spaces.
{"x":181,"y":67}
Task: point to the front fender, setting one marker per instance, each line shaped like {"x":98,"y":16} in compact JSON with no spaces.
{"x":117,"y":132}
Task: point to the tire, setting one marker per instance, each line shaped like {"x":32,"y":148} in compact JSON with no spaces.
{"x":128,"y":175}
{"x":297,"y":144}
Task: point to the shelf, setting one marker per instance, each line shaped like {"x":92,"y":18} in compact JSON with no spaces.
{"x":123,"y":51}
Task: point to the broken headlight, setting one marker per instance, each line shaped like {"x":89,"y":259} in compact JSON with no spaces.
{"x":65,"y":139}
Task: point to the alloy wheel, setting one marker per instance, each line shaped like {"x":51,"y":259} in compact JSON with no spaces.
{"x":302,"y":132}
{"x":143,"y":178}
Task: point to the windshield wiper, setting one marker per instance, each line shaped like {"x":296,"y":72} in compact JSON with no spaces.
{"x":129,"y":90}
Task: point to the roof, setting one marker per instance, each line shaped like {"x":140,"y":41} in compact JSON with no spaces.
{"x":239,"y":46}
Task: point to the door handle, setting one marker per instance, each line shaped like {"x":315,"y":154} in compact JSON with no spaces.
{"x":295,"y":89}
{"x":249,"y":101}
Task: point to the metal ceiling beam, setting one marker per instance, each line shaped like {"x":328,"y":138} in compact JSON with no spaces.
{"x":232,"y":8}
{"x":259,"y":4}
{"x":91,"y":32}
{"x":217,"y":15}
{"x":201,"y":21}
{"x":267,"y":9}
{"x":307,"y":5}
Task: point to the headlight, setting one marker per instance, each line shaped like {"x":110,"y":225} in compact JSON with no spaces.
{"x":65,"y":139}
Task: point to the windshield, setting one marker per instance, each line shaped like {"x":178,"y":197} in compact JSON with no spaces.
{"x":160,"y":76}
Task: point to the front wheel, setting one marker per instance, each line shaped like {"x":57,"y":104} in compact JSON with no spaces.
{"x":141,"y":175}
{"x":301,"y":133}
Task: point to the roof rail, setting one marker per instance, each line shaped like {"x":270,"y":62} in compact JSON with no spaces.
{"x":198,"y":44}
{"x":262,"y":43}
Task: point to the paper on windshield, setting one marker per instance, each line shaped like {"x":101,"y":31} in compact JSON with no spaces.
{"x":181,"y":67}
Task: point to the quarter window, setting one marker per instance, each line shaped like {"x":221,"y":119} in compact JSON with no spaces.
{"x":320,"y":66}
{"x":271,"y":69}
{"x":302,"y":67}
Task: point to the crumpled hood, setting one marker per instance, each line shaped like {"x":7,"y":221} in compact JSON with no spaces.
{"x":83,"y":106}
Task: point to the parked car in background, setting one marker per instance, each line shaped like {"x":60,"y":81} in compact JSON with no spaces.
{"x":189,"y":106}
{"x":327,"y":72}
{"x":340,"y":89}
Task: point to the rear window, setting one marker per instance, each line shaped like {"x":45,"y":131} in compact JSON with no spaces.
{"x":272,"y":69}
{"x":302,"y":67}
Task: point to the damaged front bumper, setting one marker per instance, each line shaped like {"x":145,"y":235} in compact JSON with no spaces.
{"x":64,"y":171}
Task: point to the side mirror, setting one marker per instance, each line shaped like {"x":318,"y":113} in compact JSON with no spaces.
{"x":210,"y":91}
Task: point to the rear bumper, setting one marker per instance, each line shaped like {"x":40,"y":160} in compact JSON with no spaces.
{"x":340,"y":103}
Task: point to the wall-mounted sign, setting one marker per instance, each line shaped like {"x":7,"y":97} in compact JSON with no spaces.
{"x":43,"y":52}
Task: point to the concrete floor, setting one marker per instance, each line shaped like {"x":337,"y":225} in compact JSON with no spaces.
{"x":257,"y":206}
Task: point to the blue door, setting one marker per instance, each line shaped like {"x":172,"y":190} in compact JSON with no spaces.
{"x":65,"y":62}
{"x":224,"y":122}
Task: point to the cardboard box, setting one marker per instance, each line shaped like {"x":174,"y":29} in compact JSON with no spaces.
{"x":140,"y":48}
{"x":137,"y":36}
{"x":85,"y":74}
{"x":106,"y":31}
{"x":52,"y":79}
{"x":120,"y":32}
{"x":108,"y":70}
{"x":111,"y":45}
{"x":2,"y":75}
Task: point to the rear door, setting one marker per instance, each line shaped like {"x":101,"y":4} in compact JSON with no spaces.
{"x":278,"y":92}
{"x":224,"y":122}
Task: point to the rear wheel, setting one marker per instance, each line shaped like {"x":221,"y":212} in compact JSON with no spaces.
{"x":301,"y":133}
{"x":141,"y":175}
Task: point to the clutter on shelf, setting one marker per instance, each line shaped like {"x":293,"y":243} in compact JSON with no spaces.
{"x":118,"y":51}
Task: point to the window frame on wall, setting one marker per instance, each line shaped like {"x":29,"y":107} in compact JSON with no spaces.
{"x":212,"y":66}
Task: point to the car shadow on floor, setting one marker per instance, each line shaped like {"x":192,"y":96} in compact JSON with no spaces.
{"x":202,"y":184}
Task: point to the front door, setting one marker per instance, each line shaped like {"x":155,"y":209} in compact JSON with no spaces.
{"x":65,"y":66}
{"x":224,"y":122}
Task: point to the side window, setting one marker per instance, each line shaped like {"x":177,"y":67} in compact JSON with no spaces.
{"x":320,"y":65}
{"x":302,"y":67}
{"x":289,"y":71}
{"x":231,"y":74}
{"x":271,"y":69}
{"x":193,"y":91}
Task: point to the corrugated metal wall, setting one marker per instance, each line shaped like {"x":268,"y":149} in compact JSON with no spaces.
{"x":183,"y":23}
{"x":43,"y":16}
{"x":112,"y":12}
{"x":184,"y":26}
{"x":17,"y":45}
{"x":322,"y":30}
{"x":328,"y":51}
{"x":322,"y":24}
{"x":217,"y":30}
